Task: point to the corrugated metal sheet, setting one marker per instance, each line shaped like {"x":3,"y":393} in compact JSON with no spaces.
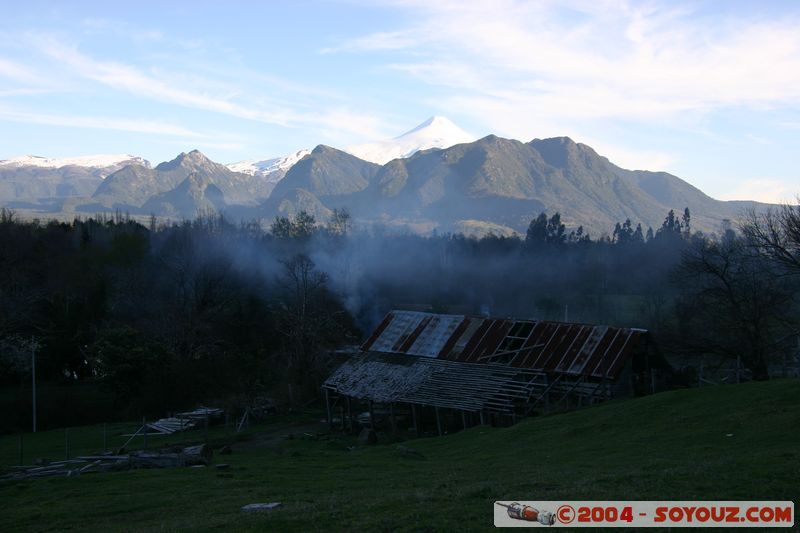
{"x":390,"y":377}
{"x":553,"y":347}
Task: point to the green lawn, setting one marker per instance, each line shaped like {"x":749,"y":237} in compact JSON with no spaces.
{"x":673,"y":445}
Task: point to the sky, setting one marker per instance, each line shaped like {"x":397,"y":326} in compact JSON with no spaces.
{"x":706,"y":90}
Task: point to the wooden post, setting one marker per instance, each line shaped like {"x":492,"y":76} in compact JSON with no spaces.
{"x":652,"y":381}
{"x":328,"y":408}
{"x":438,"y":421}
{"x":464,"y":419}
{"x":33,"y":379}
{"x":738,"y":368}
{"x":391,"y":418}
{"x":371,"y":416}
{"x":349,"y":416}
{"x":483,"y":421}
{"x":341,"y":417}
{"x":414,"y":418}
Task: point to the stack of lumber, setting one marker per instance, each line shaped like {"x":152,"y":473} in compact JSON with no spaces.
{"x":180,"y":422}
{"x":193,"y":455}
{"x":167,"y":426}
{"x":201,"y":413}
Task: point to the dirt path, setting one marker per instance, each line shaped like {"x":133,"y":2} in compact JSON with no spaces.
{"x":274,"y":437}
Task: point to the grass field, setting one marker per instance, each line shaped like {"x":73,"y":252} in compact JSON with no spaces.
{"x":673,"y":445}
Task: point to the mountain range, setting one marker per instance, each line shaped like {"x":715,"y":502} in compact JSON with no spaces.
{"x":434,"y":177}
{"x":30,"y":177}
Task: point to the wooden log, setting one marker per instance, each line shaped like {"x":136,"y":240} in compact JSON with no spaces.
{"x":196,"y":455}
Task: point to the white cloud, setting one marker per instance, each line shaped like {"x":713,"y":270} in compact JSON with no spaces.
{"x":18,"y":72}
{"x":131,"y":79}
{"x":590,"y":60}
{"x":631,"y":159}
{"x":395,"y":40}
{"x":215,"y":96}
{"x":767,"y":190}
{"x":24,"y":92}
{"x":103,"y":123}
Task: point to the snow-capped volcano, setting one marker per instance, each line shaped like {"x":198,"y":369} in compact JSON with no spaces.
{"x":269,"y":167}
{"x":87,"y":161}
{"x":436,"y":132}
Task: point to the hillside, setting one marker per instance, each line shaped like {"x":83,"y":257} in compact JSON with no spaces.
{"x":734,"y":442}
{"x":29,"y":178}
{"x":324,"y":179}
{"x":504,"y":183}
{"x":138,"y":189}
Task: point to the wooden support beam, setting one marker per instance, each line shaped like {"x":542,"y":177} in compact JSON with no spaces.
{"x":392,"y":419}
{"x":328,"y":408}
{"x":414,"y":418}
{"x":371,"y":415}
{"x":464,"y":419}
{"x":438,"y":421}
{"x":351,"y":427}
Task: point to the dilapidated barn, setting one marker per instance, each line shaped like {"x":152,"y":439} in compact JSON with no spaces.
{"x":488,"y":368}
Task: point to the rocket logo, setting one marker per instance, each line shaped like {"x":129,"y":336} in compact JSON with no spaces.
{"x":527,"y":513}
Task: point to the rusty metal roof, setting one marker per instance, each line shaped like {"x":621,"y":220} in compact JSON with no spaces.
{"x":552,"y":347}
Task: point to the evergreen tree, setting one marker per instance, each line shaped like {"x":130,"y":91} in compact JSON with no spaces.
{"x":556,"y":231}
{"x":537,"y":231}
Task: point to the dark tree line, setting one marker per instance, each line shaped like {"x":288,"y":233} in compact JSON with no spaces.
{"x":164,"y":318}
{"x":167,"y":316}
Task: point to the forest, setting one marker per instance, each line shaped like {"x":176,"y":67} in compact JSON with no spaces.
{"x":125,"y":318}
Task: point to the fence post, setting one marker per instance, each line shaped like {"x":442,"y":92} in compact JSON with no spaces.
{"x":738,"y":368}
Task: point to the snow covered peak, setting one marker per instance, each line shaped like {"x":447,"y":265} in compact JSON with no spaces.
{"x":436,"y":132}
{"x":269,"y":166}
{"x":435,"y":121}
{"x":88,"y":161}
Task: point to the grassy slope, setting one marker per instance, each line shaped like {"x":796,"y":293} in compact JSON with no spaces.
{"x":669,"y":446}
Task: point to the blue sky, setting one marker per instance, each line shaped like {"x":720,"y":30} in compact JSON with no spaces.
{"x":709,"y":91}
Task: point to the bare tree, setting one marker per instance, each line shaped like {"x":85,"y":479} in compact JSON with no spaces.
{"x":733,"y":302}
{"x":776,"y":232}
{"x":310,"y":319}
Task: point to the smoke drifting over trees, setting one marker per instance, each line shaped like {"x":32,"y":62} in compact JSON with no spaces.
{"x":167,"y":316}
